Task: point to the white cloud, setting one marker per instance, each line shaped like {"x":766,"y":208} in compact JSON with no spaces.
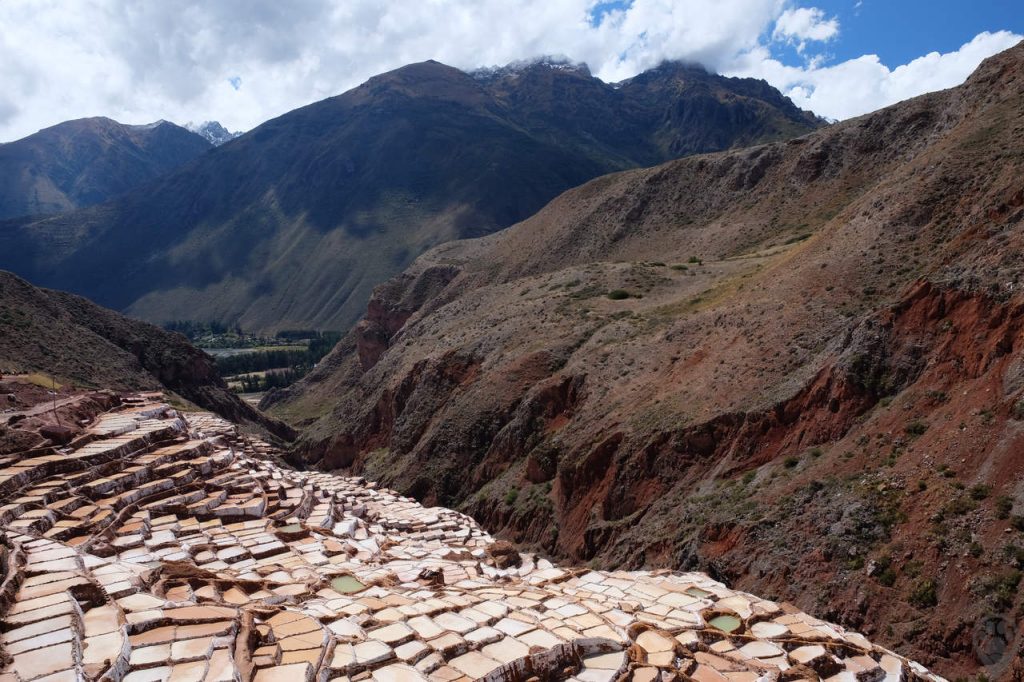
{"x":861,"y":85}
{"x":244,"y":61}
{"x":801,"y":24}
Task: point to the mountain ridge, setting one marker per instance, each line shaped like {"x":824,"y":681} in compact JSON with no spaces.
{"x":212,"y":131}
{"x":87,"y":161}
{"x":292,"y":224}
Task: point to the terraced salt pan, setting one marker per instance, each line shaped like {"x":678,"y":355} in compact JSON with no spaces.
{"x":171,"y":549}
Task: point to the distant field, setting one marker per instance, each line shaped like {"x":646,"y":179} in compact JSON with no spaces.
{"x":229,"y":352}
{"x":38,"y":379}
{"x":252,"y":364}
{"x":236,"y":382}
{"x":260,"y":373}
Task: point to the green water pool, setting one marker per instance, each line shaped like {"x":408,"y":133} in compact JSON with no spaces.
{"x":726,"y":623}
{"x":346,"y":584}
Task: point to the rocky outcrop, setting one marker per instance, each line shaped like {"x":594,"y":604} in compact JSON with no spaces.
{"x":392,"y":306}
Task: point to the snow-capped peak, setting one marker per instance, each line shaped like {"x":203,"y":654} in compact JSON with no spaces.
{"x":147,"y":126}
{"x":213,"y":131}
{"x":557,"y":63}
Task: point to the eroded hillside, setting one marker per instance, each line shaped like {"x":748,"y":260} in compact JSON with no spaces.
{"x":80,"y":344}
{"x":796,"y":366}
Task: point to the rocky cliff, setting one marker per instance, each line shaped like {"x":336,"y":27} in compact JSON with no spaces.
{"x":790,"y":366}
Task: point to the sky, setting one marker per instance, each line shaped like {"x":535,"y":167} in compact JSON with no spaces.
{"x":243,"y":62}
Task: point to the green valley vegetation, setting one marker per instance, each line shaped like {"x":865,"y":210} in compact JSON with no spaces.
{"x":251,"y":363}
{"x":210,"y":333}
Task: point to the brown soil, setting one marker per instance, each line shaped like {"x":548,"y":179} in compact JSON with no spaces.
{"x":35,"y":418}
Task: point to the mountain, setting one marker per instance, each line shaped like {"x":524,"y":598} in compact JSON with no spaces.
{"x":212,"y":131}
{"x":88,"y":161}
{"x":293,"y":224}
{"x":792,"y":366}
{"x":78,"y":342}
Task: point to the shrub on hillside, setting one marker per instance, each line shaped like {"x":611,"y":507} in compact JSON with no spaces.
{"x":924,"y":595}
{"x":916,"y":428}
